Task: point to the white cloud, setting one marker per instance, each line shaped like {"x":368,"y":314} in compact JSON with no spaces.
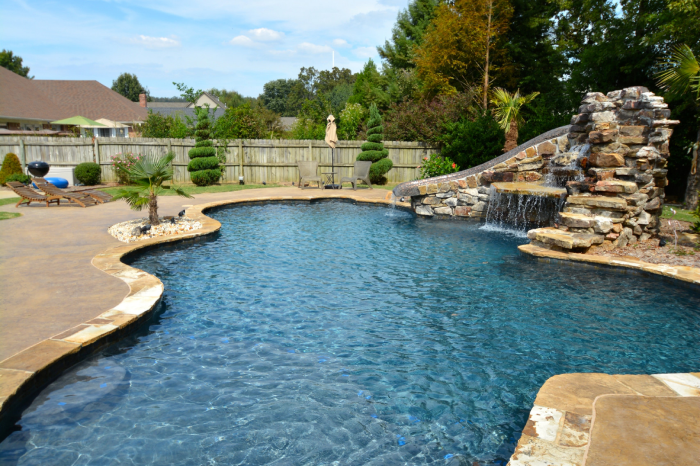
{"x":367,"y":52}
{"x":156,"y":42}
{"x":265,"y":34}
{"x":242,"y":40}
{"x":313,"y":48}
{"x":340,"y":43}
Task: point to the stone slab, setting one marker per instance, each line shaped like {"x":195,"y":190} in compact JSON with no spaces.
{"x":645,"y":431}
{"x":11,"y":380}
{"x":577,"y":392}
{"x":529,"y":189}
{"x":612,"y":203}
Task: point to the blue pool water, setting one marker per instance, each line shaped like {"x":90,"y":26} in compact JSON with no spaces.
{"x":336,"y":334}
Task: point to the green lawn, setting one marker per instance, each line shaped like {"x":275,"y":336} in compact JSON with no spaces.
{"x":8,"y":215}
{"x":681,"y":214}
{"x":217,"y":188}
{"x":9,"y":200}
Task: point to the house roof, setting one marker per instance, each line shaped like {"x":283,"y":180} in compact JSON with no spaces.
{"x":91,"y":99}
{"x":50,"y":100}
{"x":168,"y":104}
{"x":20,"y":98}
{"x":165,"y":111}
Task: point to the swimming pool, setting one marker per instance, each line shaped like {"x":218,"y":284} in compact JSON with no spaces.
{"x":333,"y":333}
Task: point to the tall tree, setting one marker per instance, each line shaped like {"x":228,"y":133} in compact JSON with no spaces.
{"x":407,"y":33}
{"x":128,"y":85}
{"x":275,"y":95}
{"x":459,"y":47}
{"x":14,"y":63}
{"x":370,"y":87}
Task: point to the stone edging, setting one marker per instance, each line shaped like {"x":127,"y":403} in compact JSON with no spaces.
{"x":679,"y":272}
{"x":25,"y":374}
{"x":562,"y":428}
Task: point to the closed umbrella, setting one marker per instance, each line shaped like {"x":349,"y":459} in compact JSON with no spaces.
{"x":331,"y":140}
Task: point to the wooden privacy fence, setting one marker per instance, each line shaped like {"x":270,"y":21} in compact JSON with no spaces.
{"x":258,"y":160}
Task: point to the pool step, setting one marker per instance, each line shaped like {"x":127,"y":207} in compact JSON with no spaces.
{"x":564,"y":239}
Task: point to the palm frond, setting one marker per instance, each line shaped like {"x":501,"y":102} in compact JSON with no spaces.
{"x":507,"y":106}
{"x":133,"y":197}
{"x":682,"y":72}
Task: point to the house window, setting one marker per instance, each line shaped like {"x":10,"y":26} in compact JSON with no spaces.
{"x":104,"y":132}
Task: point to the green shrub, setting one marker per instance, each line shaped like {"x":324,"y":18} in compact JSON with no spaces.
{"x":10,"y":166}
{"x":696,"y":214}
{"x":88,"y":173}
{"x":373,"y":150}
{"x":205,"y":177}
{"x":202,"y":151}
{"x":203,"y":164}
{"x":471,"y":143}
{"x":437,"y":166}
{"x":22,"y":178}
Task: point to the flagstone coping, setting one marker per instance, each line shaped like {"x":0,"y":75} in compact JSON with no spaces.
{"x":24,"y":374}
{"x":679,"y":272}
{"x":601,"y":419}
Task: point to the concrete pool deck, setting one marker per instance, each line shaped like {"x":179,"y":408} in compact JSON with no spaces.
{"x":67,"y":294}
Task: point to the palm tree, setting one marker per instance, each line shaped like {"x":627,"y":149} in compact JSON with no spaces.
{"x":682,"y":74}
{"x":149,"y":174}
{"x":507,"y":113}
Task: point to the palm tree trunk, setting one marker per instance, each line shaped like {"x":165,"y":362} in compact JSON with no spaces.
{"x":691,"y":191}
{"x":153,"y":210}
{"x":511,"y":137}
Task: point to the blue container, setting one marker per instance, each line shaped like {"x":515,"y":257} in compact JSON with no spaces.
{"x":58,"y":182}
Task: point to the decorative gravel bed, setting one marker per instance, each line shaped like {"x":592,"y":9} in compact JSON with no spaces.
{"x":125,"y":231}
{"x":649,"y":251}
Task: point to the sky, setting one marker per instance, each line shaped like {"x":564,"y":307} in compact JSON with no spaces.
{"x":236,"y":45}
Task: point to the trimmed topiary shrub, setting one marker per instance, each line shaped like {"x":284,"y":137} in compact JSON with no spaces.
{"x":205,"y":177}
{"x":204,"y":164}
{"x":10,"y":166}
{"x":373,"y":150}
{"x":88,"y":173}
{"x":22,"y":178}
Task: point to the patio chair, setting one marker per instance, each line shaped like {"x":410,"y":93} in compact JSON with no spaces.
{"x":98,"y":196}
{"x":360,"y":172}
{"x":307,"y":173}
{"x":28,"y":195}
{"x":81,"y":199}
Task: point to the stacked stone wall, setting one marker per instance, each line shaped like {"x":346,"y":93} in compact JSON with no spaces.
{"x":622,"y":195}
{"x":469,"y":196}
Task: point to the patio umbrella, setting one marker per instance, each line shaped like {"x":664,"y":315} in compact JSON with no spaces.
{"x":77,"y":121}
{"x":331,"y":140}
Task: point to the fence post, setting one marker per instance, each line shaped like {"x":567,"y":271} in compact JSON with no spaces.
{"x":22,"y":154}
{"x":240,"y":158}
{"x":96,"y":157}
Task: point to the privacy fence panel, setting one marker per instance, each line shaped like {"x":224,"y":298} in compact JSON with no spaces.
{"x":257,"y":160}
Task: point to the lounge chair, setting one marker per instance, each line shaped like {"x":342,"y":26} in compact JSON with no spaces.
{"x":28,"y":195}
{"x":81,"y":199}
{"x":360,"y":172}
{"x":307,"y":173}
{"x":98,"y":196}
